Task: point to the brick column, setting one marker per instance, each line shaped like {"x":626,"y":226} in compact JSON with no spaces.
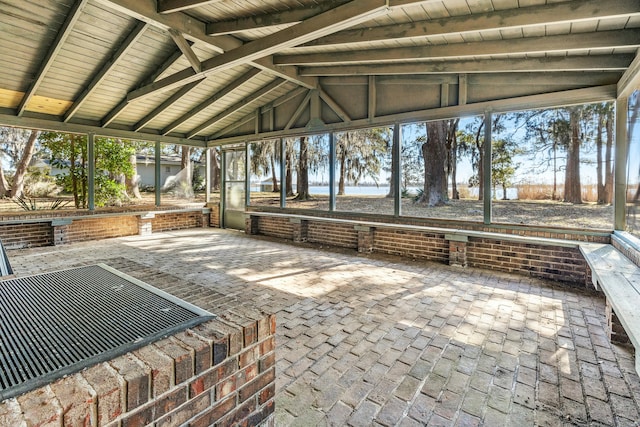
{"x":214,"y":214}
{"x":300,"y":229}
{"x":365,"y":238}
{"x":60,"y":229}
{"x":251,"y":224}
{"x":145,"y":224}
{"x":457,"y":249}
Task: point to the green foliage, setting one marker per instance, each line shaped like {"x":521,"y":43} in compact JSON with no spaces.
{"x":70,"y":153}
{"x":31,"y":204}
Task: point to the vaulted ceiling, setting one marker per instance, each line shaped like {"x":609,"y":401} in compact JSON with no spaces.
{"x":221,"y":71}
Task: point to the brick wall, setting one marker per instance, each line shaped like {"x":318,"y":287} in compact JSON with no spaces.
{"x":40,"y":230}
{"x":411,"y":244}
{"x":29,"y":235}
{"x":340,"y":235}
{"x":550,"y":262}
{"x":275,"y":227}
{"x":563,"y":263}
{"x":101,"y":228}
{"x":222,"y":371}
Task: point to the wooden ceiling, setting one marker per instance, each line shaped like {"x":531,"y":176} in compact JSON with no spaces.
{"x":222,"y":71}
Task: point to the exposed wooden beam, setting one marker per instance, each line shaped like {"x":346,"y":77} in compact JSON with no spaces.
{"x":372,"y":97}
{"x":543,"y":65}
{"x":52,"y":53}
{"x":186,"y":50}
{"x":344,"y":116}
{"x":630,"y":80}
{"x":165,"y":105}
{"x":558,"y":43}
{"x":235,"y":125}
{"x":164,"y":66}
{"x":102,"y":74}
{"x":301,"y":107}
{"x":291,"y":16}
{"x":51,"y":123}
{"x":212,"y":100}
{"x":547,"y":100}
{"x":522,"y":17}
{"x":237,"y":106}
{"x":341,"y":17}
{"x":172,"y":6}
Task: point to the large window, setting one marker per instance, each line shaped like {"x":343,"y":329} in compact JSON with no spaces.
{"x":308,"y":166}
{"x":554,"y":167}
{"x":363,"y":171}
{"x":265,"y":173}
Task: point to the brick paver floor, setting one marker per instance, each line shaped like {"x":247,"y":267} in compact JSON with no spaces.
{"x":369,"y":340}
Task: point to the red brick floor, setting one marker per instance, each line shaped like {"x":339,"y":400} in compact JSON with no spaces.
{"x":369,"y":340}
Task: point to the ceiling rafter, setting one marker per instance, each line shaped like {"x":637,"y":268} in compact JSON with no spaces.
{"x":237,"y":106}
{"x":630,"y":80}
{"x":150,"y":78}
{"x":573,"y":11}
{"x":341,"y":17}
{"x":63,"y":33}
{"x":543,"y":65}
{"x":103,"y":73}
{"x":166,"y":105}
{"x":291,"y":16}
{"x":194,"y":30}
{"x":212,"y":100}
{"x":172,"y":6}
{"x":186,"y":50}
{"x":557,"y":43}
{"x":344,"y":116}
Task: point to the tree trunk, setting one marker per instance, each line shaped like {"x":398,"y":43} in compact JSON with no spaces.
{"x":480,"y":165}
{"x":572,"y":187}
{"x":608,"y":161}
{"x":133,"y":183}
{"x":274,"y":172}
{"x":394,"y":162}
{"x":289,"y":174}
{"x":434,"y":152}
{"x":599,"y":161}
{"x":343,"y":168}
{"x":4,"y":185}
{"x":453,"y":163}
{"x":185,"y":164}
{"x":214,"y":169}
{"x":303,"y":170}
{"x":17,"y":189}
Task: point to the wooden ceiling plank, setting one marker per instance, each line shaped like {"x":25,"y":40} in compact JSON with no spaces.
{"x":573,"y":11}
{"x":61,"y":37}
{"x":122,"y":50}
{"x":172,"y":6}
{"x":237,"y":106}
{"x":212,"y":100}
{"x":558,"y":43}
{"x":150,"y":78}
{"x":194,"y":30}
{"x":548,"y":64}
{"x":341,"y":17}
{"x":166,"y":105}
{"x":186,"y":50}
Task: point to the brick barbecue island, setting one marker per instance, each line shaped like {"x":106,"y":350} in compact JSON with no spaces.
{"x":218,"y":372}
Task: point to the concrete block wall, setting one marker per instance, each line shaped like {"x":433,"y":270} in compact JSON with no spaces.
{"x":219,"y":373}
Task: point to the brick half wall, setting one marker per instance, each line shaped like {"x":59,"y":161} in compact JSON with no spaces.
{"x":222,"y":371}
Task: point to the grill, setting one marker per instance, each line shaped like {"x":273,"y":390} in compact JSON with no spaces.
{"x":56,"y":324}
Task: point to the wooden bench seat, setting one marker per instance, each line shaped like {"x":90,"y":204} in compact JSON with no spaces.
{"x":619,"y":279}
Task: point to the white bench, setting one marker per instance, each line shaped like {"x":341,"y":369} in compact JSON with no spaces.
{"x":619,"y":279}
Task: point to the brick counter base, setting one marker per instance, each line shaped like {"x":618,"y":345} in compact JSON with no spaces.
{"x":221,"y":372}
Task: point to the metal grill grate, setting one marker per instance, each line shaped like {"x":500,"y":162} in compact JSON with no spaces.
{"x":55,"y":324}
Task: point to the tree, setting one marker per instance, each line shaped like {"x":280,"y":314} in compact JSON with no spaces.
{"x":604,"y":168}
{"x":359,"y":154}
{"x":572,"y":187}
{"x":303,"y":169}
{"x":263,"y":161}
{"x":19,"y":145}
{"x":434,"y":152}
{"x":502,"y":166}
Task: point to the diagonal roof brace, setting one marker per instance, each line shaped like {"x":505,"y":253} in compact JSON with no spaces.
{"x":336,"y":19}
